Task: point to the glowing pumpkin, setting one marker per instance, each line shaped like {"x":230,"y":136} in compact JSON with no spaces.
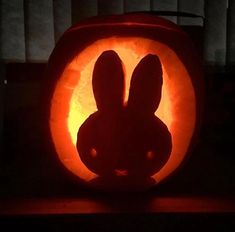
{"x":131,"y":37}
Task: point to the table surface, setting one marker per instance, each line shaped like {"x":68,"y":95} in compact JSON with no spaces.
{"x":72,"y":205}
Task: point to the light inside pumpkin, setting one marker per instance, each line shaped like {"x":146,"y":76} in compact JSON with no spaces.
{"x":73,"y":99}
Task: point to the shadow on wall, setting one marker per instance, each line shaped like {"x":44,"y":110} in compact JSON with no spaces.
{"x":2,"y":75}
{"x":220,"y":55}
{"x":231,"y":57}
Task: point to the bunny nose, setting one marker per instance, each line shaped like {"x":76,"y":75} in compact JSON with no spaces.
{"x":121,"y":172}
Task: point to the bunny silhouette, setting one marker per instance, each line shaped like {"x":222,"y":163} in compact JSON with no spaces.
{"x":125,"y":140}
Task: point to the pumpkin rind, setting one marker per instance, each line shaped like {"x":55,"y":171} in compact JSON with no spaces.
{"x":132,"y":37}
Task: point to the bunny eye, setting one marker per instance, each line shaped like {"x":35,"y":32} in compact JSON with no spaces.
{"x":93,"y":152}
{"x":150,"y":155}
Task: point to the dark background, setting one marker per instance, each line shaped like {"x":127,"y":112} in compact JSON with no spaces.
{"x":29,"y":170}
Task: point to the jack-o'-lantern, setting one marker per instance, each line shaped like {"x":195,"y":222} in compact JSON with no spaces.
{"x":133,"y":39}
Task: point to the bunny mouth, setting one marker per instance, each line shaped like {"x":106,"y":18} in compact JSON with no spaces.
{"x":121,"y":172}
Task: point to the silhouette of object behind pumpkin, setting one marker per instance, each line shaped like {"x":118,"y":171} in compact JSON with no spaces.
{"x":125,"y":142}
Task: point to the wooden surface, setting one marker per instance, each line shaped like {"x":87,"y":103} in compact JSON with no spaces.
{"x":126,"y":214}
{"x":141,"y":204}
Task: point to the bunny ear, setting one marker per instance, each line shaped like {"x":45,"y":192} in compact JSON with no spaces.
{"x":145,"y":87}
{"x":108,"y":82}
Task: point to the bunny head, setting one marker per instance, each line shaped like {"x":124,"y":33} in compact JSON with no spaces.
{"x":121,"y":140}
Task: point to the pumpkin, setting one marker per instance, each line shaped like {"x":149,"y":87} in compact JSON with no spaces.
{"x":132,"y":37}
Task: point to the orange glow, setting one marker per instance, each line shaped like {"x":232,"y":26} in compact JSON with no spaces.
{"x":73,"y":99}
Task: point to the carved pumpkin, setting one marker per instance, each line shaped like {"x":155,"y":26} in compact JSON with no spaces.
{"x":132,"y":37}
